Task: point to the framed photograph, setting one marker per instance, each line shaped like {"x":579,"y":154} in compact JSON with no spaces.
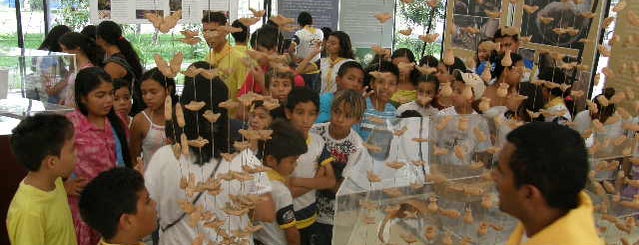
{"x":465,"y":40}
{"x":556,"y":23}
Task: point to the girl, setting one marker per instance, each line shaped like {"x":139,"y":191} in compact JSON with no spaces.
{"x":166,"y":170}
{"x":147,"y":128}
{"x":427,"y":87}
{"x":339,"y":50}
{"x":87,"y":54}
{"x":122,"y":60}
{"x":51,"y":68}
{"x":407,"y":78}
{"x":122,"y":100}
{"x":100,"y":140}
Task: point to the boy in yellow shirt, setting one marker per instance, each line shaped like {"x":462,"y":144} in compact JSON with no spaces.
{"x":118,"y":206}
{"x":39,"y":212}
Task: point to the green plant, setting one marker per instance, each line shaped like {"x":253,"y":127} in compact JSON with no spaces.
{"x":419,"y":14}
{"x":74,"y":13}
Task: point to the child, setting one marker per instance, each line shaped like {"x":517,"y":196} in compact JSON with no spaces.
{"x":166,"y":170}
{"x":349,"y":76}
{"x":454,"y":137}
{"x":555,"y":109}
{"x":100,"y":139}
{"x":312,"y":172}
{"x":339,"y":51}
{"x":122,"y":100}
{"x":341,"y":142}
{"x":279,"y":84}
{"x":281,"y":154}
{"x":383,"y":85}
{"x":147,"y":128}
{"x":264,"y":40}
{"x":427,"y":87}
{"x":407,"y":83}
{"x":118,"y":206}
{"x":39,"y":212}
{"x":260,"y":118}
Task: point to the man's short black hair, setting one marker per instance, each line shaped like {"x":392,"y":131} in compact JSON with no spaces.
{"x":285,"y":141}
{"x":107,"y":197}
{"x":214,"y":17}
{"x":304,"y":19}
{"x":267,"y":37}
{"x":39,"y":136}
{"x":242,"y":36}
{"x":551,"y":157}
{"x":302,"y":95}
{"x":348,"y":65}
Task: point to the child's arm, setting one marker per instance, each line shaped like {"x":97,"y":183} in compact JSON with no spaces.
{"x":303,"y":67}
{"x":324,"y":179}
{"x":292,"y":236}
{"x":264,"y":210}
{"x":137,"y":134}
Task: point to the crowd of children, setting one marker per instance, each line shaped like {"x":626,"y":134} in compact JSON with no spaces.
{"x":330,"y":104}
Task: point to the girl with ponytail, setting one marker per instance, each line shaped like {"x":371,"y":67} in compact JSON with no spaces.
{"x":87,"y":54}
{"x":122,"y":60}
{"x":100,"y":140}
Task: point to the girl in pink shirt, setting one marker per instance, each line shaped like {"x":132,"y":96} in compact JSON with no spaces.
{"x":100,"y":140}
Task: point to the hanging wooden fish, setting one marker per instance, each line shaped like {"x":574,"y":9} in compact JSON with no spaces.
{"x":168,"y":108}
{"x":632,"y":18}
{"x":608,"y":72}
{"x":406,"y":32}
{"x":380,"y":51}
{"x":195,"y":105}
{"x":179,"y":115}
{"x":406,"y":68}
{"x":445,"y":90}
{"x":257,"y":13}
{"x":587,"y":15}
{"x":507,"y":61}
{"x":603,"y":51}
{"x":169,"y":70}
{"x":229,"y":104}
{"x":372,"y":148}
{"x":395,"y":165}
{"x":210,"y":116}
{"x":470,"y":30}
{"x":429,"y":38}
{"x":184,"y":143}
{"x":432,"y":3}
{"x":546,"y":20}
{"x":373,"y":178}
{"x":502,"y":90}
{"x":190,"y":40}
{"x":281,"y":20}
{"x":525,"y":39}
{"x":164,"y":24}
{"x":198,"y":143}
{"x":426,"y":70}
{"x":530,"y":9}
{"x":249,"y":21}
{"x":486,"y":76}
{"x":493,"y":14}
{"x":560,"y":31}
{"x":383,"y":17}
{"x":606,"y":22}
{"x":621,"y":5}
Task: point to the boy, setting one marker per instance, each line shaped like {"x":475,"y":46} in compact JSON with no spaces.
{"x":383,"y":78}
{"x":313,"y":171}
{"x":342,"y":143}
{"x":264,"y":40}
{"x":349,"y":76}
{"x":39,"y":212}
{"x":222,"y":55}
{"x":279,"y":84}
{"x":427,"y":87}
{"x":281,"y":153}
{"x":118,"y":206}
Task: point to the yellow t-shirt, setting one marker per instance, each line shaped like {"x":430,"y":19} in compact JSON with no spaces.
{"x":230,"y":58}
{"x":39,"y":217}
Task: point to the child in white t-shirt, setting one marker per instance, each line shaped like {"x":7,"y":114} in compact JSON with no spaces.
{"x":313,"y":171}
{"x":281,"y":154}
{"x":342,"y":143}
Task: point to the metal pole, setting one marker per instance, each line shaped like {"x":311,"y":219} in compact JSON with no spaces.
{"x":593,"y":70}
{"x":19,"y":25}
{"x":45,"y":9}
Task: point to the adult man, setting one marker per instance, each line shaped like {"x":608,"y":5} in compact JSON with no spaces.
{"x":222,"y":55}
{"x":541,"y":175}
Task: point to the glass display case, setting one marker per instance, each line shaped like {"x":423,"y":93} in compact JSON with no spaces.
{"x":35,"y":74}
{"x":434,"y":186}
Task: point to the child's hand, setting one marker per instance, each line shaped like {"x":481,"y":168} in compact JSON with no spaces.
{"x":139,"y":165}
{"x":292,"y":181}
{"x":75,"y":186}
{"x":367,"y":93}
